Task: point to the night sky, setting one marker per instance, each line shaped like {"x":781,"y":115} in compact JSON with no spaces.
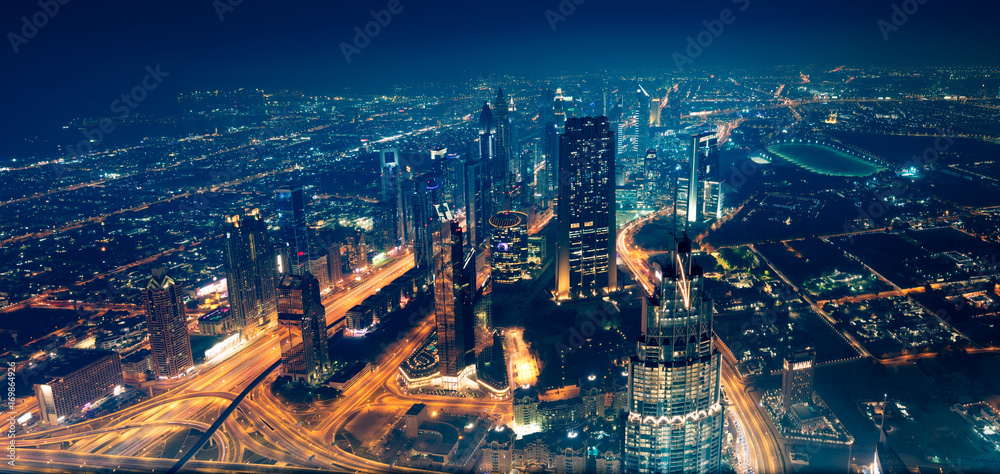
{"x":90,"y":52}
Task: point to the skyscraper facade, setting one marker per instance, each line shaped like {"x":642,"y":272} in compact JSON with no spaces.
{"x":505,"y":142}
{"x":699,"y":190}
{"x":797,"y":378}
{"x":453,"y":180}
{"x":383,"y":237}
{"x":249,"y":261}
{"x":641,"y":127}
{"x":509,"y":246}
{"x":452,"y":309}
{"x":423,"y":198}
{"x":550,"y":143}
{"x":392,"y":193}
{"x":166,"y":322}
{"x":302,"y":321}
{"x":474,"y":201}
{"x":495,"y":166}
{"x":293,"y":246}
{"x":675,"y":415}
{"x":585,"y":258}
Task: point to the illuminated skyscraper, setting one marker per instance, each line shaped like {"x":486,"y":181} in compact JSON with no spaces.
{"x":423,"y":197}
{"x":247,"y":254}
{"x":495,"y":166}
{"x":166,"y":322}
{"x":505,"y":142}
{"x":641,"y":128}
{"x":585,"y":259}
{"x":392,"y":193}
{"x":475,"y":200}
{"x":383,"y":238}
{"x":453,"y":180}
{"x":509,"y":246}
{"x":699,"y":193}
{"x":559,"y":110}
{"x":675,"y":415}
{"x":797,"y":378}
{"x":303,"y":338}
{"x":452,"y":309}
{"x":293,"y":246}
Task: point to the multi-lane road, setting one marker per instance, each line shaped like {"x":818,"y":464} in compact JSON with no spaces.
{"x":141,"y":431}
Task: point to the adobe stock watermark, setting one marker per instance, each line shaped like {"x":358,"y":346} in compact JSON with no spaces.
{"x":363,"y":37}
{"x":30,"y":27}
{"x":566,"y":8}
{"x":593,"y":321}
{"x":123,"y":106}
{"x":713,"y":29}
{"x":11,"y":414}
{"x":225,"y":6}
{"x":900,"y":15}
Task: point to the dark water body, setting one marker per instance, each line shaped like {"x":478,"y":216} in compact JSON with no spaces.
{"x":902,"y":149}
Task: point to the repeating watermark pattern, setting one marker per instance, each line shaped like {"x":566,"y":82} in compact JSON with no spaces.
{"x":900,"y":15}
{"x":566,"y":8}
{"x":363,"y":37}
{"x":225,"y":6}
{"x":713,"y":29}
{"x":11,"y":414}
{"x":30,"y":26}
{"x":123,"y":106}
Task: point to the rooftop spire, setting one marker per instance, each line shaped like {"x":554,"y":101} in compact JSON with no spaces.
{"x":486,"y":123}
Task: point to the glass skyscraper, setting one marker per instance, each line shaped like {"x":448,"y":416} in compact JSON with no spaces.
{"x":452,"y":308}
{"x":293,"y":247}
{"x":166,"y":321}
{"x":392,"y":194}
{"x":249,"y":261}
{"x":699,"y":192}
{"x":302,"y":318}
{"x":675,"y":413}
{"x":509,"y":242}
{"x":585,"y":259}
{"x":506,"y":156}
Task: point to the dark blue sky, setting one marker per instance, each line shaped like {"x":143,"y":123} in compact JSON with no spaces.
{"x":90,"y":52}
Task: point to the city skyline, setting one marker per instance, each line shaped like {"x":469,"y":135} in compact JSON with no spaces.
{"x":555,"y":237}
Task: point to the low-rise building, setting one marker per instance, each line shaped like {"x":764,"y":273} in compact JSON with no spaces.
{"x":79,"y":379}
{"x":216,"y":322}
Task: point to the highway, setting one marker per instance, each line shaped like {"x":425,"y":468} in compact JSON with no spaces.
{"x":139,"y":431}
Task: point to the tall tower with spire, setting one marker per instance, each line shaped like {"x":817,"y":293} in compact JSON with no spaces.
{"x":495,"y":173}
{"x":506,"y":153}
{"x":675,"y":412}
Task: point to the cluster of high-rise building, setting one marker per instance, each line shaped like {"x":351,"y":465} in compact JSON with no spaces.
{"x":467,"y":220}
{"x":268,"y":284}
